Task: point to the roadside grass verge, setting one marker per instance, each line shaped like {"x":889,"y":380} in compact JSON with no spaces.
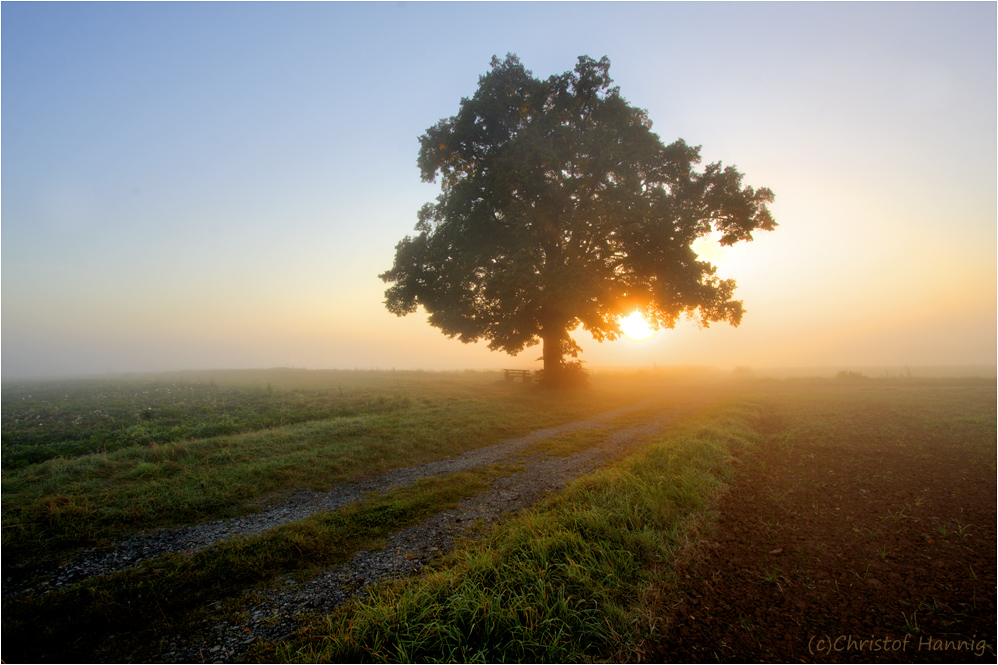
{"x":74,"y":624}
{"x":60,"y":504}
{"x":564,"y":582}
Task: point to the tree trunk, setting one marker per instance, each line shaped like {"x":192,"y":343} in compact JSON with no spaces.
{"x":553,"y":351}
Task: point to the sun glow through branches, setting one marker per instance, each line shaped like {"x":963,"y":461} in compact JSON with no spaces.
{"x":635,"y":326}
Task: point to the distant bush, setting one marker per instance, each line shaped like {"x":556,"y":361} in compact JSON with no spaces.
{"x":846,"y":375}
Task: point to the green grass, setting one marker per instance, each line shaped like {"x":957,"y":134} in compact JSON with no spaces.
{"x":563,"y":583}
{"x":72,"y":625}
{"x":60,"y":504}
{"x":47,"y":419}
{"x":44,"y":420}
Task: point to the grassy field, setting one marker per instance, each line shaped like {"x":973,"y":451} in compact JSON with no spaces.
{"x":586,"y":575}
{"x":358,"y":423}
{"x":43,"y":420}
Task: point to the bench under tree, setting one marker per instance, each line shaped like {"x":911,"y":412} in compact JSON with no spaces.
{"x":511,"y":374}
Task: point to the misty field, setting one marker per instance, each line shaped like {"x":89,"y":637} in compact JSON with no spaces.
{"x":764,"y":520}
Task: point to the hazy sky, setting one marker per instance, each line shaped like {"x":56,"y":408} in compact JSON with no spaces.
{"x":189,"y":185}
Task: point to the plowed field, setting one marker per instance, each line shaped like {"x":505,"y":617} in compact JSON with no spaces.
{"x":862,"y":528}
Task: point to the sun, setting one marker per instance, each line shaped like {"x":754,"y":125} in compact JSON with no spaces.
{"x":635,"y":326}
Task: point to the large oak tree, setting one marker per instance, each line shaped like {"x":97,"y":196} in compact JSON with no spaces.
{"x":560,"y":207}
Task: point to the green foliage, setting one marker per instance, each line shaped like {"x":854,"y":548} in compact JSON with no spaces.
{"x":560,"y":207}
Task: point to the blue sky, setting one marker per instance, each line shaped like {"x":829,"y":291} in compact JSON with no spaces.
{"x":195,"y":185}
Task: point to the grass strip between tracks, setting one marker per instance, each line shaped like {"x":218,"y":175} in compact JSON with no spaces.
{"x":566,"y":582}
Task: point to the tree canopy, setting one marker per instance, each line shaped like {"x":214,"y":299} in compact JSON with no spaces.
{"x":560,"y":207}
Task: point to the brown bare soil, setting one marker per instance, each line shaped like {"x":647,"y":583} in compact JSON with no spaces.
{"x":860,"y":528}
